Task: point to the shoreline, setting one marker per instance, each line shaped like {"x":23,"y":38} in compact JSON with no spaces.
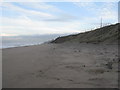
{"x":21,"y":46}
{"x":53,"y":43}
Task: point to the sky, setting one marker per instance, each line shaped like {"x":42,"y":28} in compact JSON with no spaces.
{"x":38,"y":18}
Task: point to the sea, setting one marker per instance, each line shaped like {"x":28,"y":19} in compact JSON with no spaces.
{"x":19,"y":41}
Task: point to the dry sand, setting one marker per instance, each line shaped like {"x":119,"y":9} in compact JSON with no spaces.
{"x":61,"y":66}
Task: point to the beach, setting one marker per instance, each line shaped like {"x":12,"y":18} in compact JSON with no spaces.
{"x":66,"y":65}
{"x":59,"y":44}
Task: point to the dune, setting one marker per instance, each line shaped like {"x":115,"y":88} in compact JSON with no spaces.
{"x":108,"y":34}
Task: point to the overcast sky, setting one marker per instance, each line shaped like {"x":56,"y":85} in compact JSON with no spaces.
{"x":30,"y":18}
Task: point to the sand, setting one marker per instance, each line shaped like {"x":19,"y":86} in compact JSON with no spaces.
{"x":61,"y":66}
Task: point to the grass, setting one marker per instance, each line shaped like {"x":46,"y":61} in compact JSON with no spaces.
{"x":105,"y":34}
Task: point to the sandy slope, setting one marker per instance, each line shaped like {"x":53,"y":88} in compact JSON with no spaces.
{"x":60,"y":66}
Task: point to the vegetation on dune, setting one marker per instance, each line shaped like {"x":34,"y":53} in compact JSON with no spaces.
{"x":105,"y":34}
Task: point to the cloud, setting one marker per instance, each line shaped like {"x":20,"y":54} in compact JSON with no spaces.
{"x":35,"y":11}
{"x":10,"y":6}
{"x":40,"y":5}
{"x":24,"y":26}
{"x":85,"y":4}
{"x":30,"y":21}
{"x":62,"y":18}
{"x":106,"y":10}
{"x":59,"y":0}
{"x":34,"y":19}
{"x":5,"y":34}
